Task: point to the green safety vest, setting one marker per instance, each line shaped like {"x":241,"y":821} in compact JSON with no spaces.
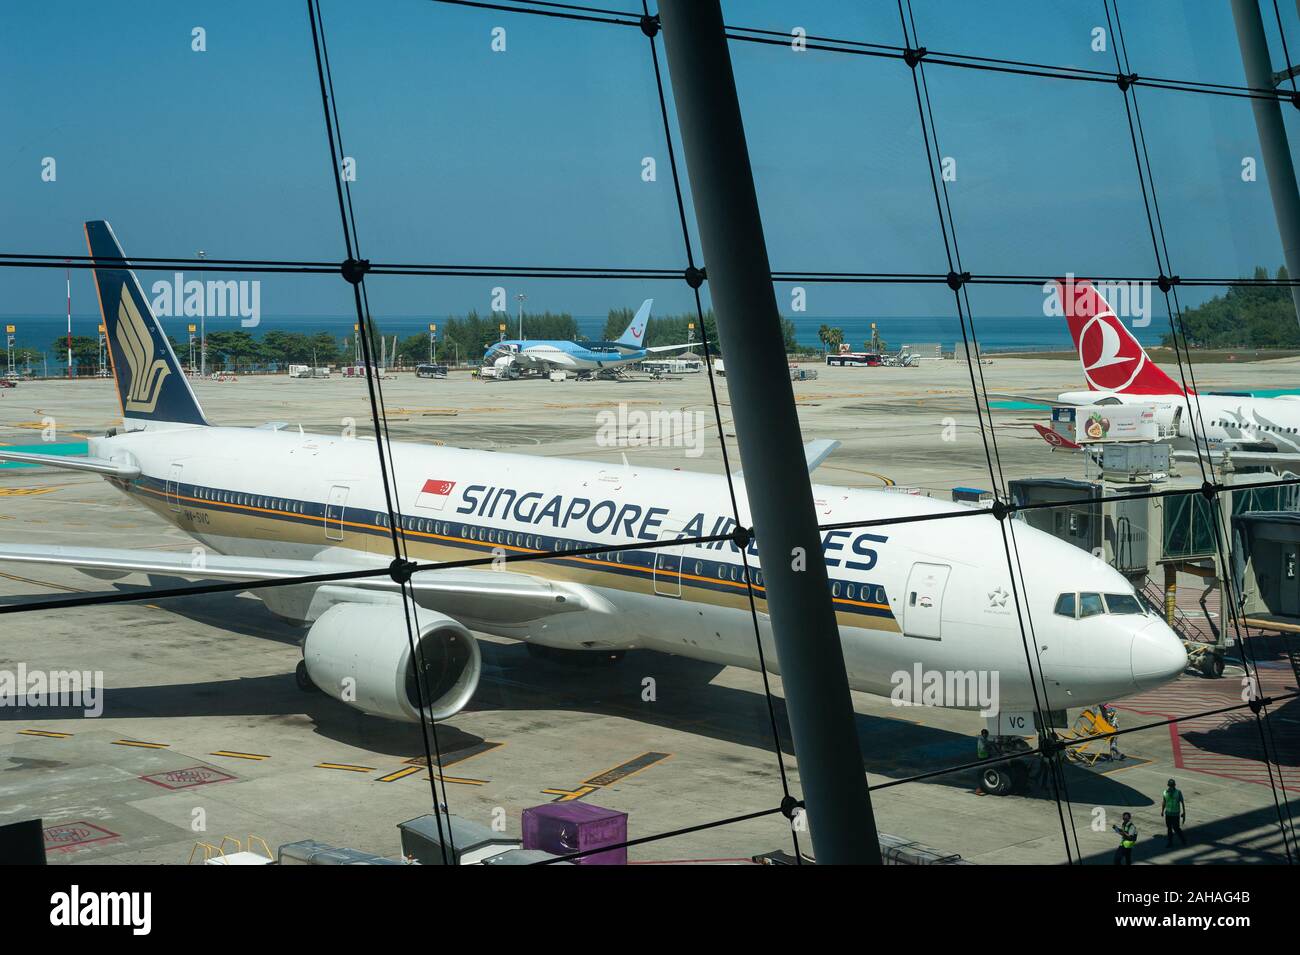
{"x":1129,"y":839}
{"x":1172,"y":799}
{"x":981,"y":748}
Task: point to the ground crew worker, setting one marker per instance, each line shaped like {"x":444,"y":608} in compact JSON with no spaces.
{"x":983,"y":750}
{"x":1175,"y":807}
{"x":1110,"y":716}
{"x":1043,"y":772}
{"x":1128,"y":837}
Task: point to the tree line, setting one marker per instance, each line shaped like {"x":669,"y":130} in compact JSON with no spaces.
{"x":1245,"y":316}
{"x":464,"y":339}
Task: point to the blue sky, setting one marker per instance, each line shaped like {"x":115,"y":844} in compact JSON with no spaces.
{"x":534,"y":156}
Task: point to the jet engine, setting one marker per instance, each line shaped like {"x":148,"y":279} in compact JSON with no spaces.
{"x":360,"y":654}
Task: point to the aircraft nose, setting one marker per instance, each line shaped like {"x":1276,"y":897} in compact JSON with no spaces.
{"x":1157,"y":655}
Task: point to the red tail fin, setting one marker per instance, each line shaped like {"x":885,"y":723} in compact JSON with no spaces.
{"x":1055,"y":438}
{"x":1112,"y":359}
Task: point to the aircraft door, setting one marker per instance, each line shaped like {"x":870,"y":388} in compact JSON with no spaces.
{"x":668,"y":566}
{"x":923,"y":603}
{"x":334,"y":507}
{"x":1289,"y":585}
{"x":173,"y":485}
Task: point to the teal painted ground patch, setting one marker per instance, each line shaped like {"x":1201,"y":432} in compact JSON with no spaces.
{"x":64,"y":449}
{"x":1019,"y":405}
{"x":1274,"y":392}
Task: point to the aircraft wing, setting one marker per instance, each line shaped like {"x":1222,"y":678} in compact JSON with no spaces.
{"x":476,"y":594}
{"x":82,"y":463}
{"x":525,"y":360}
{"x":659,"y":348}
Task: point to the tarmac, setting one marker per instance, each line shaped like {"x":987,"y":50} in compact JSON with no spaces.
{"x":204,"y":733}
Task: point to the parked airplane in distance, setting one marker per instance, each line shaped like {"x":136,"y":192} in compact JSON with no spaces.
{"x":586,"y":358}
{"x":1118,"y":371}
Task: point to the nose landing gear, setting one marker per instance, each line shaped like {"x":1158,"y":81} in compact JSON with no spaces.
{"x":1010,"y":776}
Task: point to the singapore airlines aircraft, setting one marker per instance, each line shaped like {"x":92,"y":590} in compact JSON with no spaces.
{"x":267,"y":503}
{"x":1256,"y":431}
{"x":582,"y":357}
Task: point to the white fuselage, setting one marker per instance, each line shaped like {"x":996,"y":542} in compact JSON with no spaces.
{"x":936,"y":595}
{"x":1225,"y":420}
{"x":569,"y":356}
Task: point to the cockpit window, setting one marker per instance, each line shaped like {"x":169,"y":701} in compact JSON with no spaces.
{"x":1090,"y":605}
{"x":1123,"y":603}
{"x":1065,"y":605}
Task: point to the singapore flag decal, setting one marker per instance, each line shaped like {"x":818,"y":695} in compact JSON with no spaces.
{"x":434,"y":494}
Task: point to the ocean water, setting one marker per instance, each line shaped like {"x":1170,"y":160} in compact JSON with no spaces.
{"x":998,"y":334}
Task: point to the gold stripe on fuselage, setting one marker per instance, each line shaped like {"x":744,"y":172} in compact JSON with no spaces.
{"x":259,"y":523}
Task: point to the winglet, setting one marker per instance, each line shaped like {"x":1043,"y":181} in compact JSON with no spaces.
{"x":815,"y":452}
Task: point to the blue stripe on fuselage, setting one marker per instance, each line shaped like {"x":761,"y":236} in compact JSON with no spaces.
{"x":485,"y":539}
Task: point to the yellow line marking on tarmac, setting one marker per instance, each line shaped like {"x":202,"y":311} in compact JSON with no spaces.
{"x":142,"y":745}
{"x":234,"y":755}
{"x":463,"y":754}
{"x":25,"y":491}
{"x":624,"y":770}
{"x":1120,"y":769}
{"x":608,"y":777}
{"x":347,"y":767}
{"x":462,"y":780}
{"x":399,"y":774}
{"x":44,"y":733}
{"x":568,"y":796}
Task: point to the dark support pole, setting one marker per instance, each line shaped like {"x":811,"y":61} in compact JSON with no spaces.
{"x":1278,"y":166}
{"x":767,"y":431}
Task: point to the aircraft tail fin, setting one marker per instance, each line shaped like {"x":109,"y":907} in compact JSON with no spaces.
{"x":634,"y":334}
{"x":1112,"y":359}
{"x":1055,"y":438}
{"x":151,"y":385}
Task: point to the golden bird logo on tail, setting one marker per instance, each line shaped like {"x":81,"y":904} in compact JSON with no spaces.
{"x":146,"y":379}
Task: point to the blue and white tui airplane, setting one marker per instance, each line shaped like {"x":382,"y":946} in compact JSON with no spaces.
{"x":267,"y":503}
{"x":586,"y":358}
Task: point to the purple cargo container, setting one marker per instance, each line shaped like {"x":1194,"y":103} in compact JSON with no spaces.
{"x":564,"y":827}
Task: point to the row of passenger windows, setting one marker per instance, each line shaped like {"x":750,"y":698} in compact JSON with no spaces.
{"x":529,"y":541}
{"x":732,"y":572}
{"x":250,"y":500}
{"x":422,"y":525}
{"x":1258,"y":427}
{"x":1089,"y":605}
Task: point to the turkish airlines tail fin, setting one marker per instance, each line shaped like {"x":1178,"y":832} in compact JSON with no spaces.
{"x":1112,"y":359}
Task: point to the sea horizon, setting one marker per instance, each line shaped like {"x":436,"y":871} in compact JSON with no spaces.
{"x":995,"y":333}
